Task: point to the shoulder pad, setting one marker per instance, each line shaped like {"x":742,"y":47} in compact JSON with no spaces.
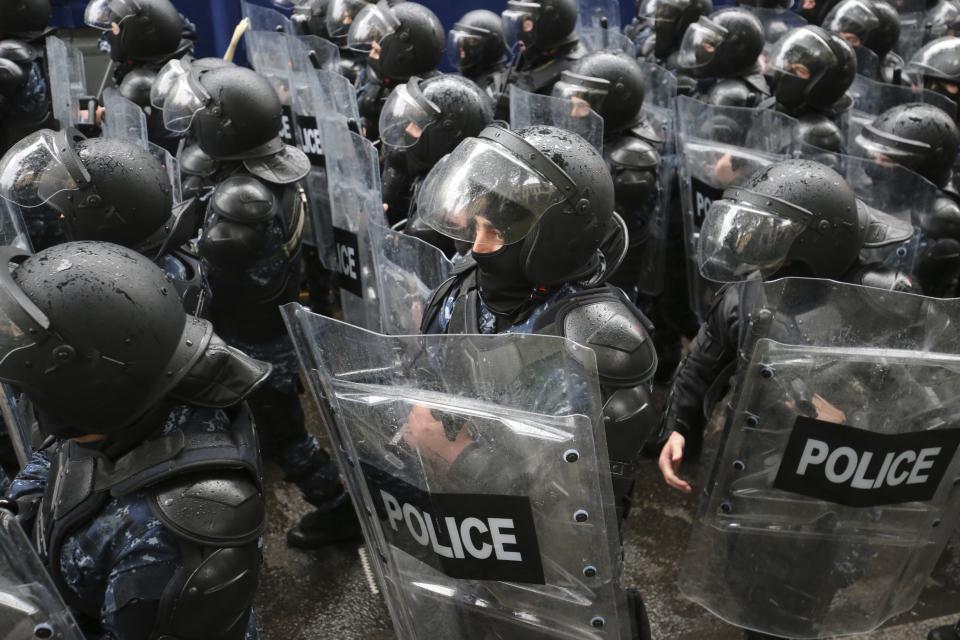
{"x":195,"y":162}
{"x":820,"y":131}
{"x":604,"y":320}
{"x":18,"y":51}
{"x":222,"y":507}
{"x":629,"y":152}
{"x":136,"y":86}
{"x":244,"y":199}
{"x":944,"y":220}
{"x":645,"y":130}
{"x":732,"y":92}
{"x":215,"y":599}
{"x":12,"y":77}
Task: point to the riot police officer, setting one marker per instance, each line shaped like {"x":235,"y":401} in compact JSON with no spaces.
{"x":537,"y":208}
{"x":666,"y":21}
{"x":936,"y":65}
{"x":399,"y":42}
{"x":810,"y":70}
{"x":724,"y":48}
{"x":423,"y":121}
{"x":872,"y":27}
{"x":612,"y":84}
{"x":478,"y":49}
{"x":24,"y":98}
{"x":308,"y":16}
{"x":147,"y":431}
{"x":925,"y":140}
{"x":140,"y":38}
{"x":942,"y":20}
{"x":821,"y":229}
{"x":109,"y":190}
{"x":251,"y":245}
{"x":545,"y":32}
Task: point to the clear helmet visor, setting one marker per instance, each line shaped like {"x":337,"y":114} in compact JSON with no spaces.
{"x":738,"y":240}
{"x":404,"y":118}
{"x":463,"y":47}
{"x":165,"y":80}
{"x":520,"y":22}
{"x":700,"y":43}
{"x":341,"y":14}
{"x":584,"y":93}
{"x":890,"y":151}
{"x":182,"y":103}
{"x":32,"y":172}
{"x":105,"y":14}
{"x":288,"y":4}
{"x":371,"y":26}
{"x":854,"y":20}
{"x":793,"y":53}
{"x":483,"y":193}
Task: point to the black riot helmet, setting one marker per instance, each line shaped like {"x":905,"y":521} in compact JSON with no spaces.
{"x":536,"y":204}
{"x":104,"y":189}
{"x":16,"y":58}
{"x":797,"y":216}
{"x":669,"y":20}
{"x":429,"y":118}
{"x":920,"y":137}
{"x":164,"y":79}
{"x":621,"y":88}
{"x":814,"y":11}
{"x":234,"y":114}
{"x":942,"y":20}
{"x":937,"y":63}
{"x":540,"y":25}
{"x":818,"y":130}
{"x":138,"y":30}
{"x":724,"y":44}
{"x":811,"y":67}
{"x":476,"y":42}
{"x":25,"y":19}
{"x":400,"y":42}
{"x":340,"y":15}
{"x":97,"y":335}
{"x":873,"y":24}
{"x":309,"y":16}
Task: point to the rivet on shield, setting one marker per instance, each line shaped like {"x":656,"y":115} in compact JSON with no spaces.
{"x":597,"y":622}
{"x":753,"y":421}
{"x":43,"y":631}
{"x":590,"y":571}
{"x":766,"y":372}
{"x":726,"y":507}
{"x":571,"y":455}
{"x":738,"y":465}
{"x":581,"y":516}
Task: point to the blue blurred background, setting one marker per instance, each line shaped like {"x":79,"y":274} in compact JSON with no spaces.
{"x":215,"y":19}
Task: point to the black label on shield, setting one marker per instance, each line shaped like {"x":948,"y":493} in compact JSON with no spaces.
{"x":702,"y":195}
{"x":348,"y":261}
{"x":310,"y":140}
{"x":466,"y":536}
{"x":286,"y":131}
{"x":860,"y":468}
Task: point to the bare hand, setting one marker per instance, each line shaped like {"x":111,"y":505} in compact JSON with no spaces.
{"x":827,"y":412}
{"x":723,"y":171}
{"x":426,"y":434}
{"x":670,"y":458}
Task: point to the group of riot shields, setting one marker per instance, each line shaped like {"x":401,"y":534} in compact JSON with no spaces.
{"x":517,"y":538}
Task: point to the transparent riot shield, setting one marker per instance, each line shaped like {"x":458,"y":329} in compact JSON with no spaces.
{"x":898,"y":193}
{"x":67,"y":81}
{"x":30,"y":606}
{"x":408,"y":270}
{"x":598,"y":26}
{"x":719,"y":147}
{"x":264,"y":19}
{"x":123,"y":119}
{"x":529,"y":109}
{"x":478,"y":468}
{"x":272,"y":56}
{"x":912,"y":32}
{"x":353,"y":182}
{"x":14,"y":406}
{"x":836,"y":487}
{"x":323,"y":54}
{"x":871,"y":98}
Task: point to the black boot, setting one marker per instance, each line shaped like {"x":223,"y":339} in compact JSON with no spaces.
{"x":321,"y":528}
{"x":949,"y":632}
